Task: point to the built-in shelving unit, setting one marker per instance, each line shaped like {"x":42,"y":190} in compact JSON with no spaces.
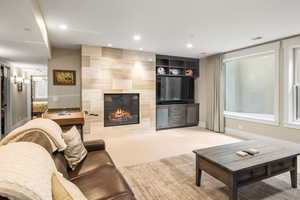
{"x":177,"y":115}
{"x":178,"y":112}
{"x":176,"y":66}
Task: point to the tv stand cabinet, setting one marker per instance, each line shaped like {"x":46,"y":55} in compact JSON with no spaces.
{"x":176,"y":115}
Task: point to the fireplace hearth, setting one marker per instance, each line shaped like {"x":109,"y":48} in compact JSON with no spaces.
{"x":121,"y":109}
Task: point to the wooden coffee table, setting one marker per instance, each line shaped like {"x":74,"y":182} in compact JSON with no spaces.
{"x":222,"y":163}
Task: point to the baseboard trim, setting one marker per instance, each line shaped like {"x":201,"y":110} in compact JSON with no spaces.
{"x":248,"y":135}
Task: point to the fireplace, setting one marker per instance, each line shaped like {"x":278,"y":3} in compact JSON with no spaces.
{"x":121,"y":109}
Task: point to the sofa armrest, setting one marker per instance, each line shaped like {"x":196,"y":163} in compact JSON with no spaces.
{"x":94,"y":145}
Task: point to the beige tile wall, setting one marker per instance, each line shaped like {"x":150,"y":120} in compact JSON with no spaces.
{"x":110,"y":70}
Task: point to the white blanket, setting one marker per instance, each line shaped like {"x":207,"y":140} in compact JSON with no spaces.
{"x":46,"y":126}
{"x":21,"y":176}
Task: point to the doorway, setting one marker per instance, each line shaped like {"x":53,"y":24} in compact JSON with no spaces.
{"x":5,"y":99}
{"x":39,"y":95}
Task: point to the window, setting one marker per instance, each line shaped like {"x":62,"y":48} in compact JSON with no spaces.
{"x":250,"y":87}
{"x":297,"y":83}
{"x":292,"y":95}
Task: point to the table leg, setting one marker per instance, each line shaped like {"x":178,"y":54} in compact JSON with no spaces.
{"x":233,"y":189}
{"x":198,"y":172}
{"x":294,"y":174}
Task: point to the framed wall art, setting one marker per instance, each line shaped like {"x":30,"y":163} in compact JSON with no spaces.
{"x":64,"y":77}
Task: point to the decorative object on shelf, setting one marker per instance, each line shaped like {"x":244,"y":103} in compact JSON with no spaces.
{"x":174,"y":72}
{"x":161,"y":71}
{"x":184,"y":66}
{"x":189,"y":72}
{"x":64,"y":77}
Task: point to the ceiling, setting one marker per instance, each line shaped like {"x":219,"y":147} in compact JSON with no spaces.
{"x":21,"y":41}
{"x":166,"y":26}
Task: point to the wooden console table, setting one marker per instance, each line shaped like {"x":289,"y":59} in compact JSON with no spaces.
{"x":222,"y":163}
{"x":68,"y":120}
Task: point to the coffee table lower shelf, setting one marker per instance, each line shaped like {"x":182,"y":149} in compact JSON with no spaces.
{"x":236,"y":179}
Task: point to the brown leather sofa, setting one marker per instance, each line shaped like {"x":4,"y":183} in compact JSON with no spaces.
{"x":96,"y":176}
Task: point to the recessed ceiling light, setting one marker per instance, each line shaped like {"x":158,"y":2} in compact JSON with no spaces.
{"x":109,"y":45}
{"x":141,"y":49}
{"x":257,"y":38}
{"x":137,"y":37}
{"x":189,"y":45}
{"x":63,"y":27}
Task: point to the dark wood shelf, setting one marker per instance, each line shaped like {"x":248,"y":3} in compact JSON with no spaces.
{"x":162,"y":66}
{"x":177,"y":67}
{"x":172,"y":75}
{"x":176,"y":115}
{"x":180,"y":63}
{"x":163,"y":75}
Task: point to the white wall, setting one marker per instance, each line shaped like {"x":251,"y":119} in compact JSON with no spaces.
{"x":20,"y":101}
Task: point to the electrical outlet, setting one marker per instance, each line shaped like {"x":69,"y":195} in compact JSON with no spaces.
{"x":240,"y":126}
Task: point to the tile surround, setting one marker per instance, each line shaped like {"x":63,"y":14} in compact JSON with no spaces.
{"x":110,"y":70}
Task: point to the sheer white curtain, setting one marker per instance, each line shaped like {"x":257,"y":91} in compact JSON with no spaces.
{"x":214,"y":78}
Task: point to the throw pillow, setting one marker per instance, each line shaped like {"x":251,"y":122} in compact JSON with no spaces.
{"x":63,"y":189}
{"x":75,"y":151}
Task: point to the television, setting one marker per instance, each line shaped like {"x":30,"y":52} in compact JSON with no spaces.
{"x":174,"y":90}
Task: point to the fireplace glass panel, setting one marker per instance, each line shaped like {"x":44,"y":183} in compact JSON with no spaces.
{"x":121,"y":109}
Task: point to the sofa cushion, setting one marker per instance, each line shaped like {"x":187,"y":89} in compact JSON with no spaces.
{"x":102,"y":183}
{"x":62,"y":189}
{"x":61,"y":163}
{"x":93,"y":160}
{"x":94,"y":145}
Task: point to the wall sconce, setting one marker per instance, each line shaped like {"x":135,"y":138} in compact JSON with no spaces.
{"x":19,"y":81}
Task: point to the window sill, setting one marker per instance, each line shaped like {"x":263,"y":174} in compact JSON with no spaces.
{"x":292,"y":124}
{"x":257,"y":118}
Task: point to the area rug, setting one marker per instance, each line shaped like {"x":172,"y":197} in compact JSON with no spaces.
{"x":174,"y":179}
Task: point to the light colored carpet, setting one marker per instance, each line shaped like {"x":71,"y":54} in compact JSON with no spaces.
{"x":173,"y":179}
{"x":130,"y":146}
